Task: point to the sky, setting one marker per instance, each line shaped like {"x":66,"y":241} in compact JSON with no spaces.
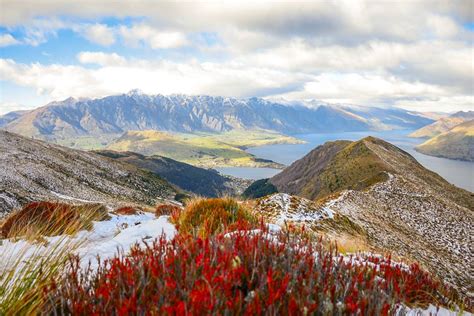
{"x":411,"y":54}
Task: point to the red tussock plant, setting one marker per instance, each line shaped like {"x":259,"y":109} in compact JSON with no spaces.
{"x":243,"y":272}
{"x":127,"y":210}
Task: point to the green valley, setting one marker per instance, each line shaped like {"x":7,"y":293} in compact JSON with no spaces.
{"x":203,"y":149}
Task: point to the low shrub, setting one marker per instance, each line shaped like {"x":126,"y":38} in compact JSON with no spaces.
{"x":50,"y":219}
{"x":127,"y":210}
{"x":203,"y":217}
{"x":243,"y":272}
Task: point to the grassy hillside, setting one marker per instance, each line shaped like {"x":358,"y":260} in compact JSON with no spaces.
{"x":331,"y":168}
{"x":457,"y":143}
{"x":441,"y":126}
{"x":204,"y":150}
{"x":355,"y":167}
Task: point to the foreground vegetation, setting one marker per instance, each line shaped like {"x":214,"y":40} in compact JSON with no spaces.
{"x":226,"y":261}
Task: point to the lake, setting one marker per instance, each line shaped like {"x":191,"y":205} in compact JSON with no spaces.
{"x":459,"y":173}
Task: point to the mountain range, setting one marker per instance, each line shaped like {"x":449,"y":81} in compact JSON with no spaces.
{"x":117,"y":114}
{"x":401,"y":206}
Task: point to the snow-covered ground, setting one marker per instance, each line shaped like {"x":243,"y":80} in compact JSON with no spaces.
{"x":106,"y":238}
{"x":282,"y":207}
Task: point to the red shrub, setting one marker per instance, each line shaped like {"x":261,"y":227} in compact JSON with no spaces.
{"x":127,"y":210}
{"x":239,"y":273}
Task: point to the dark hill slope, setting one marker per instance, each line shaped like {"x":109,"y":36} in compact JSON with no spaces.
{"x":205,"y":182}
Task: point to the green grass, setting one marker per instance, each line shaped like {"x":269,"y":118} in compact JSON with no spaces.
{"x":202,"y":149}
{"x":88,"y":142}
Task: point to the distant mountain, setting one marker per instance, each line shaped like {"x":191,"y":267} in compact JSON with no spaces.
{"x":443,"y":125}
{"x":10,"y":117}
{"x":180,"y":113}
{"x":200,"y":181}
{"x":457,"y":143}
{"x":402,"y":207}
{"x":35,"y":170}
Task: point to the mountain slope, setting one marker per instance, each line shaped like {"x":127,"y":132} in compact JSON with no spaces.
{"x":35,"y":170}
{"x":10,"y":117}
{"x":403,"y":207}
{"x":457,"y":143}
{"x":443,"y":125}
{"x":193,"y":179}
{"x":330,"y":168}
{"x":179,"y":113}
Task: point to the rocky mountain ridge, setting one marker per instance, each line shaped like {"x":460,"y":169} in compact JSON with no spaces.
{"x":35,"y":170}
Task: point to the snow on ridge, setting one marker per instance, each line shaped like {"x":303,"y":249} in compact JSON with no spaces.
{"x":284,"y":207}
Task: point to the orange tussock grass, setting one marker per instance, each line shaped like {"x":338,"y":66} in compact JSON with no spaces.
{"x":205,"y":217}
{"x":167,"y":209}
{"x":50,"y":219}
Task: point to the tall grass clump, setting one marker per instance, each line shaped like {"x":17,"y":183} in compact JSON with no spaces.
{"x":51,"y":219}
{"x":204,"y":217}
{"x":242,"y":272}
{"x":29,"y":261}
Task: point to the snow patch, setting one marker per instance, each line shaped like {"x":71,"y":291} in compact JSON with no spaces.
{"x":106,"y":238}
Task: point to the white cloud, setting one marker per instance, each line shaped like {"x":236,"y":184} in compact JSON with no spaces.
{"x":445,"y":63}
{"x":151,"y":77}
{"x":153,"y":37}
{"x":353,"y":51}
{"x":100,"y":34}
{"x":100,"y":58}
{"x":118,"y":75}
{"x":6,"y":107}
{"x":8,"y":40}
